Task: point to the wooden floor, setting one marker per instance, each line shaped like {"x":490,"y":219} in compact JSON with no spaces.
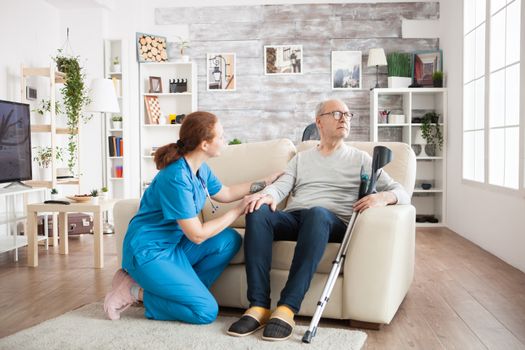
{"x":462,"y":297}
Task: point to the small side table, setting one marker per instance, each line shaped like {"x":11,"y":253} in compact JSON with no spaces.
{"x":62,"y":210}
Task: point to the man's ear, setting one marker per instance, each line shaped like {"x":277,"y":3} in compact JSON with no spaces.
{"x":318,"y":122}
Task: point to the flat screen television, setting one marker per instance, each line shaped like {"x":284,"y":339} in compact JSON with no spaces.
{"x":15,"y":142}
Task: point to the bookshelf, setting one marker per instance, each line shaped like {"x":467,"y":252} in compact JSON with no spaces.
{"x":431,"y":168}
{"x":116,"y":155}
{"x":156,"y":132}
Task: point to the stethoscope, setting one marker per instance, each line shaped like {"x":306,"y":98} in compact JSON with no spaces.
{"x":214,"y":207}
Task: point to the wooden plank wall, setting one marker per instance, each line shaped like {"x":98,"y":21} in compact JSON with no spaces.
{"x":267,"y":107}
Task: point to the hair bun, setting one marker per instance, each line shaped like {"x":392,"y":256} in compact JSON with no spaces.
{"x":180,"y":143}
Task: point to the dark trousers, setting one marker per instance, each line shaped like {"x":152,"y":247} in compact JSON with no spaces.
{"x":312,"y":229}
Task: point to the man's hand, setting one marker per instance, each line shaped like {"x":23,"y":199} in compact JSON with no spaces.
{"x":256,"y":204}
{"x":380,"y":199}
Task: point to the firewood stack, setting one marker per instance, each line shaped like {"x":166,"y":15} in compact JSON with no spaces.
{"x":152,"y":48}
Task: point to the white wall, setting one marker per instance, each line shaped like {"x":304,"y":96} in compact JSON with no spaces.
{"x":490,"y":219}
{"x":30,"y":37}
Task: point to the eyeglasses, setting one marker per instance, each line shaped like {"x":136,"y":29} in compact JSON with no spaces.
{"x":338,"y":115}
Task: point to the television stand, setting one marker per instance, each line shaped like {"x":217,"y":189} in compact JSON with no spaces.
{"x":17,"y":184}
{"x":15,"y":199}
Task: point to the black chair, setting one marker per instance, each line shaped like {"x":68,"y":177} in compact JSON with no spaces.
{"x":311,"y":133}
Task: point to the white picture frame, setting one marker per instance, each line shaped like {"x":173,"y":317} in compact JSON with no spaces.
{"x":221,"y":71}
{"x":347,"y":70}
{"x":283,"y":59}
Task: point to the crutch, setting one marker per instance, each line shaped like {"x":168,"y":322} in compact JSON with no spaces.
{"x":381,"y":157}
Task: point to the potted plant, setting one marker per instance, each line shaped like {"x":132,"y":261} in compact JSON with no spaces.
{"x":431,"y":132}
{"x":54,"y":193}
{"x":94,"y":196}
{"x":116,"y":64}
{"x":399,"y":69}
{"x":437,"y":78}
{"x":75,"y":98}
{"x":183,"y":44}
{"x":44,"y":109}
{"x":104,"y":193}
{"x":43,"y":157}
{"x":116,"y":121}
{"x":235,"y":141}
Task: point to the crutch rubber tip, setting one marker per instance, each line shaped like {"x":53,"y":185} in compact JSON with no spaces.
{"x":307,"y":337}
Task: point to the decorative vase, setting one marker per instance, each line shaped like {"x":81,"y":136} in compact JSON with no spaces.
{"x":430,"y":150}
{"x":416,"y":148}
{"x":44,"y":174}
{"x":116,"y":124}
{"x":54,"y":196}
{"x":426,"y":186}
{"x":399,"y":82}
{"x":185,"y":58}
{"x":438,"y":83}
{"x":104,"y":196}
{"x":94,"y":200}
{"x":116,"y":68}
{"x":46,"y":118}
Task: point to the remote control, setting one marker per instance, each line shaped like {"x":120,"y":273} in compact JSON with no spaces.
{"x":55,"y":201}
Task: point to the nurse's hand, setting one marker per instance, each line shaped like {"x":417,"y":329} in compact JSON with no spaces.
{"x":256,"y":204}
{"x":246,"y":202}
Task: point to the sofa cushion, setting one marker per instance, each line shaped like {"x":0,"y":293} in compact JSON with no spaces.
{"x":246,"y":163}
{"x":282,"y":254}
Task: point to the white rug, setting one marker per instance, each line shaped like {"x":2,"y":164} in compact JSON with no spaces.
{"x":87,"y":328}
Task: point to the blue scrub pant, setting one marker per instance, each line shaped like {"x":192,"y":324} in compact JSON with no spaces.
{"x":312,"y":229}
{"x":176,"y":283}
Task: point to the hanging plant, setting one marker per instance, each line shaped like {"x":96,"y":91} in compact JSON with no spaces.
{"x":75,"y":98}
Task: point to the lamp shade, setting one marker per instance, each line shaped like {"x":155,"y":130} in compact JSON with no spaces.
{"x":376,"y":57}
{"x":103,"y":97}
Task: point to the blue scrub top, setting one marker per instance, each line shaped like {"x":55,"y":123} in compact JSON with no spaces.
{"x":175,"y":193}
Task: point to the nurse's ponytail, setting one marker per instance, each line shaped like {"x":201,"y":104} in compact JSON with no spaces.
{"x":196,"y":127}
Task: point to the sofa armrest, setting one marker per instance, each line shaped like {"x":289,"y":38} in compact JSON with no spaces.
{"x":123,"y":212}
{"x":379,"y":265}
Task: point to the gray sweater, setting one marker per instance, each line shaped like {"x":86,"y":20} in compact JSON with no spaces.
{"x":331,"y":182}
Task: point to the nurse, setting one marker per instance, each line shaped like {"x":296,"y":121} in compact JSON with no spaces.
{"x":170,"y":258}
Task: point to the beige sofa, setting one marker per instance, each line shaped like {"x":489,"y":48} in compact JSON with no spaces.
{"x":379,"y":266}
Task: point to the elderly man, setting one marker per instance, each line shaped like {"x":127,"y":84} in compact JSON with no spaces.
{"x":323,"y":183}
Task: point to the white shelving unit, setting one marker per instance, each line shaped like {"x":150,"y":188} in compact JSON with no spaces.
{"x":414,"y":103}
{"x":15,"y":214}
{"x":117,"y":184}
{"x":29,"y":76}
{"x":156,"y":135}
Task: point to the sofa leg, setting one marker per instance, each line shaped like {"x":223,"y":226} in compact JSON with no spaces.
{"x":365,"y":325}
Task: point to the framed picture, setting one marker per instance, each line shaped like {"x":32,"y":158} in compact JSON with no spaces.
{"x":220,"y":75}
{"x":155,"y":85}
{"x":346,"y":70}
{"x":151,"y":48}
{"x":152,"y":109}
{"x":283,"y":59}
{"x":424,"y":64}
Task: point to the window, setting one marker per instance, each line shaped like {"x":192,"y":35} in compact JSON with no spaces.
{"x":491,"y":143}
{"x":474,"y":91}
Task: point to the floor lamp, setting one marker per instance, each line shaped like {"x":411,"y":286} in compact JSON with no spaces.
{"x":103,"y":99}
